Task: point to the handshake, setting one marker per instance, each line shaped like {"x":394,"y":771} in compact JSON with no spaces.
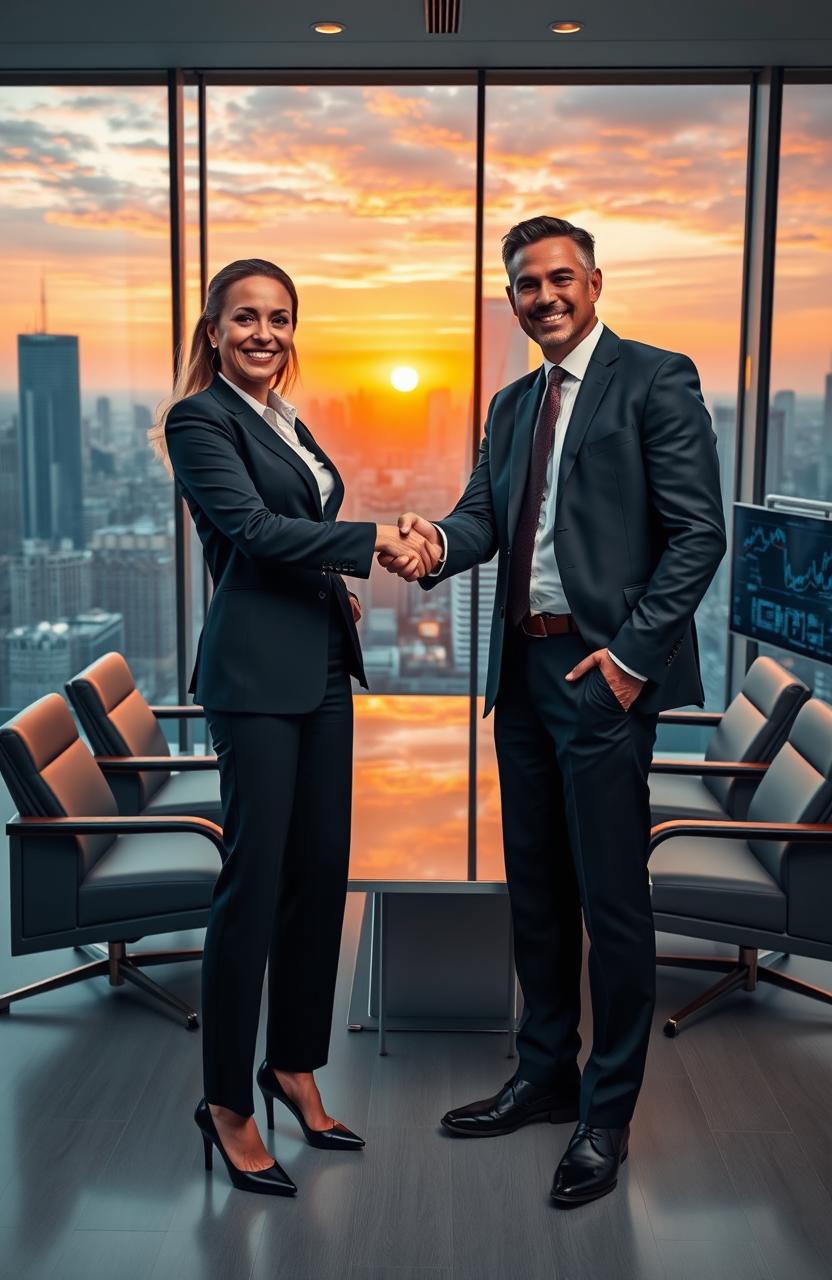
{"x":411,"y":549}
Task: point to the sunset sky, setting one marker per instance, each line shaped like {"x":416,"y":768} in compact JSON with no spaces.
{"x":366,"y":195}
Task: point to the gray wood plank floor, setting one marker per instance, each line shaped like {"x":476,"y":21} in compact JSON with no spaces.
{"x":101,"y":1172}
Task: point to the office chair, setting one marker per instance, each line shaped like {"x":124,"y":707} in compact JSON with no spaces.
{"x":763,"y":883}
{"x":750,"y":731}
{"x":125,"y":734}
{"x":81,"y":874}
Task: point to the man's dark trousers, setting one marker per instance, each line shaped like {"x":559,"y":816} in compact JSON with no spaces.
{"x":576,"y":818}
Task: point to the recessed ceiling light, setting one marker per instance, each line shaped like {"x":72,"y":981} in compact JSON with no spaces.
{"x":328,"y":28}
{"x":566,"y":28}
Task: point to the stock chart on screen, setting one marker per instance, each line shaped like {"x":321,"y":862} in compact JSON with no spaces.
{"x":781,"y":581}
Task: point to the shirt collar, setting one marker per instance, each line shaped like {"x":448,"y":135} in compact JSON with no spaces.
{"x":282,"y":408}
{"x":578,"y":359}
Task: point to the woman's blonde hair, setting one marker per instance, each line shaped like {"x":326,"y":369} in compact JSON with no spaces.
{"x":203,"y":361}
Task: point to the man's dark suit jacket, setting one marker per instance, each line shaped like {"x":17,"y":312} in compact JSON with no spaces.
{"x":639,"y":529}
{"x":273,"y":554}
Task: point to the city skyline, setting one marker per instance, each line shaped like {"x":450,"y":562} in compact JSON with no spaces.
{"x":366,"y":193}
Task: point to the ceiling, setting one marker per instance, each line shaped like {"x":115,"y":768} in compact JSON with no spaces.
{"x":390,"y":34}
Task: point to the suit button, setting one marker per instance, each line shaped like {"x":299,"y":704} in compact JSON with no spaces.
{"x":502,"y":611}
{"x":322,"y":595}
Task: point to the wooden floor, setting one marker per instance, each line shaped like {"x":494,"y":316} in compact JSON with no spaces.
{"x":101,"y":1172}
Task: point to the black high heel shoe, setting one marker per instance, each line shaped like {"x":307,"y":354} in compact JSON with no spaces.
{"x":273,"y":1181}
{"x":338,"y":1138}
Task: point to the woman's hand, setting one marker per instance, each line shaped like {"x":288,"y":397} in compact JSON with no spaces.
{"x":356,"y":608}
{"x":421,"y":555}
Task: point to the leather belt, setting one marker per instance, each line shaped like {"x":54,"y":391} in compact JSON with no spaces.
{"x":549,"y":624}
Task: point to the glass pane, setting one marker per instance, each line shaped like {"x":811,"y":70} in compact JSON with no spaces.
{"x":366,"y":195}
{"x":410,"y":788}
{"x":657,"y":174}
{"x":86,"y":532}
{"x":799,"y":455}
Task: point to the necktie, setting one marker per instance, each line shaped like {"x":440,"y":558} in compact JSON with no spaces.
{"x":523,"y":546}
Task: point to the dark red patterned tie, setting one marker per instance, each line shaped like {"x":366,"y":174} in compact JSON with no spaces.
{"x":523,"y":546}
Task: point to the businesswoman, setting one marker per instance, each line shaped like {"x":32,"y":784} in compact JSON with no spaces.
{"x":273,"y":672}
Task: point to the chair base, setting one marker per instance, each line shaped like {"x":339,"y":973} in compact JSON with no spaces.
{"x":119,"y":966}
{"x":746,"y":971}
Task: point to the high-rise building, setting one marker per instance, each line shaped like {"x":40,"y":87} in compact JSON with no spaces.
{"x":9,"y":488}
{"x":50,"y":436}
{"x":104,"y":420}
{"x":725,"y":426}
{"x":461,"y":619}
{"x":133,"y":574}
{"x":41,"y":658}
{"x":775,"y":452}
{"x":505,"y":348}
{"x":49,"y":583}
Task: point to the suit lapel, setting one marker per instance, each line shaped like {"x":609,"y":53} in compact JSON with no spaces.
{"x":525,"y":417}
{"x":309,"y":442}
{"x":597,"y":378}
{"x":261,"y":431}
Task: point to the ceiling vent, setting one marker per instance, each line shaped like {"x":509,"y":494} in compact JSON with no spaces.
{"x":442,"y":17}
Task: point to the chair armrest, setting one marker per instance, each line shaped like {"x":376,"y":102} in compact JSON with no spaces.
{"x":804,"y":832}
{"x":714,"y":768}
{"x":148,"y":764}
{"x":694,"y":718}
{"x":166,"y":711}
{"x":138,"y":825}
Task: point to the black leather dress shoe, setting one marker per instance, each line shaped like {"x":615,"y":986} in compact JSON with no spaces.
{"x":589,"y":1168}
{"x":519,"y":1102}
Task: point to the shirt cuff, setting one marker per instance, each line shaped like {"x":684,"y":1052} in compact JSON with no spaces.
{"x":434,"y":573}
{"x":624,"y":667}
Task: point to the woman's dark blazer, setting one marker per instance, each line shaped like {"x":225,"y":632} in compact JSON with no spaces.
{"x":274,"y":556}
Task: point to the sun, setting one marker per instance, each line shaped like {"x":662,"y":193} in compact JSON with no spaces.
{"x":404,"y":378}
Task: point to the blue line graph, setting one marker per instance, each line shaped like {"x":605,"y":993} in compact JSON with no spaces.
{"x":781,"y":588}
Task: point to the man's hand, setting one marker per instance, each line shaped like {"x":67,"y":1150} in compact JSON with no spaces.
{"x":356,"y":608}
{"x":409,"y":551}
{"x":411,"y":523}
{"x":625,"y":687}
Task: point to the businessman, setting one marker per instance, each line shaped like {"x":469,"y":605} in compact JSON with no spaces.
{"x":597,"y":484}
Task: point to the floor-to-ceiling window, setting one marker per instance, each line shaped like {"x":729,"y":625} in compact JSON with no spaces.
{"x":657,"y":174}
{"x":799,"y":446}
{"x":366,"y":195}
{"x":86,"y":532}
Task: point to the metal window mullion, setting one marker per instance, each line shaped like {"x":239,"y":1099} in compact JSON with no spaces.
{"x":202,"y":135}
{"x":476,"y":416}
{"x":757,"y":315}
{"x":176,"y":145}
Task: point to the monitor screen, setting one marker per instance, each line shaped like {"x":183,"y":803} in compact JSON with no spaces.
{"x":781,"y":579}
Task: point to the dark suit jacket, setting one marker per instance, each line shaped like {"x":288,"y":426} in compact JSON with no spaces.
{"x":274,"y":556}
{"x":639,"y":529}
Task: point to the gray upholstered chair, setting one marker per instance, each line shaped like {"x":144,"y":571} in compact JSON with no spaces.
{"x":81,"y":874}
{"x":125,"y":733}
{"x":764,"y":883}
{"x":749,"y":732}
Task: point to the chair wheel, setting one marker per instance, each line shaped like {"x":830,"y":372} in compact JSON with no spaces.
{"x":192,"y":1022}
{"x":670,"y":1028}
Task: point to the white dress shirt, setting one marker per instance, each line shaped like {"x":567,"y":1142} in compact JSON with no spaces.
{"x":546,"y":593}
{"x":280,"y":415}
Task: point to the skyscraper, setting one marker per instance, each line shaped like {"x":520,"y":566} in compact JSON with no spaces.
{"x":48,"y":583}
{"x":461,"y":619}
{"x":50,"y":436}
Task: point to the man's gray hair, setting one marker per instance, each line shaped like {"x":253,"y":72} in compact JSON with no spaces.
{"x":541,"y":228}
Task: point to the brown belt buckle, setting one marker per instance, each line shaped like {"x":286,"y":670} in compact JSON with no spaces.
{"x":537,"y":621}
